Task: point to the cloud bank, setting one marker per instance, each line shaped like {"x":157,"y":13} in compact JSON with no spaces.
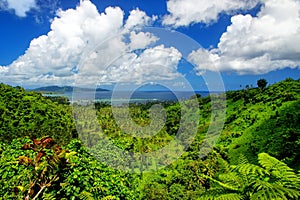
{"x":186,"y":12}
{"x":257,"y":45}
{"x":85,"y":34}
{"x":91,"y":47}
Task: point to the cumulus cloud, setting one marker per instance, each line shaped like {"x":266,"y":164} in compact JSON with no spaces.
{"x":138,"y":18}
{"x":158,"y":63}
{"x":256,"y":45}
{"x":71,"y":33}
{"x":87,"y":46}
{"x":19,"y":7}
{"x":186,"y":12}
{"x":141,"y":40}
{"x":151,"y":64}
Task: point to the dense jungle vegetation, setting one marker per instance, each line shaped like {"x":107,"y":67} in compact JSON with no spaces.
{"x":44,"y":156}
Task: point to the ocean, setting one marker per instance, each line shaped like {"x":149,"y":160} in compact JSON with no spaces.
{"x":120,"y":97}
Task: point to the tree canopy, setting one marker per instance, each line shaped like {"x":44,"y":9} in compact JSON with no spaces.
{"x":262,"y":83}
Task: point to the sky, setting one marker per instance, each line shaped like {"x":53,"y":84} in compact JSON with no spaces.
{"x":181,"y":44}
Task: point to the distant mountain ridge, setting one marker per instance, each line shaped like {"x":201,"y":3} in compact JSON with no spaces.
{"x":63,"y":89}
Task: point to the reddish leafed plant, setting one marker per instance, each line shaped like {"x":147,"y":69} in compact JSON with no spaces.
{"x":47,"y":164}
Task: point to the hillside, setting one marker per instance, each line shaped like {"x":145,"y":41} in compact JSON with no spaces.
{"x":264,"y":121}
{"x":255,"y":156}
{"x":24,"y":113}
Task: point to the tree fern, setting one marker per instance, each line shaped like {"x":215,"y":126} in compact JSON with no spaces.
{"x":250,"y":170}
{"x":272,"y":180}
{"x":277,"y":168}
{"x":270,"y":163}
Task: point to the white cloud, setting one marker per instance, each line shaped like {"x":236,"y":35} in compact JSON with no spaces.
{"x":3,"y":69}
{"x":141,"y":40}
{"x":97,"y":39}
{"x":186,"y":12}
{"x":256,"y":45}
{"x":203,"y":61}
{"x":72,"y":33}
{"x":19,"y":7}
{"x":138,"y":18}
{"x":158,"y":63}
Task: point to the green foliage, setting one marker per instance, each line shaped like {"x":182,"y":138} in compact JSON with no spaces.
{"x":54,"y":172}
{"x":256,"y":122}
{"x":59,"y":99}
{"x":273,"y":179}
{"x":14,"y":177}
{"x":47,"y":165}
{"x":87,"y":175}
{"x":41,"y":164}
{"x":264,"y":122}
{"x":25,"y":113}
{"x":48,"y":196}
{"x":183,"y":179}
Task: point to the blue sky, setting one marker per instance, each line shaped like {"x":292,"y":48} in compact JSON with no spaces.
{"x":230,"y":42}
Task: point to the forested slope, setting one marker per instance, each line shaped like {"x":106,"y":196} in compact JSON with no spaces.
{"x":24,"y":113}
{"x":253,"y":158}
{"x":264,"y":121}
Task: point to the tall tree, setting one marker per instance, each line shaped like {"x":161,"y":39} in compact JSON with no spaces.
{"x":262,"y":83}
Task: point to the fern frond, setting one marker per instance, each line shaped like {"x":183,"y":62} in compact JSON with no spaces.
{"x":84,"y":195}
{"x":205,"y":197}
{"x":213,"y":192}
{"x":243,"y":159}
{"x":231,"y":178}
{"x":270,"y":163}
{"x":230,"y":196}
{"x":280,"y":170}
{"x":275,"y":190}
{"x":251,"y":170}
{"x":224,"y":185}
{"x":272,"y":180}
{"x":289,"y":192}
{"x":260,"y":195}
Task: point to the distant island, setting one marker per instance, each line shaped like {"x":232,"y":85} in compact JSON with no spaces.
{"x":63,"y":89}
